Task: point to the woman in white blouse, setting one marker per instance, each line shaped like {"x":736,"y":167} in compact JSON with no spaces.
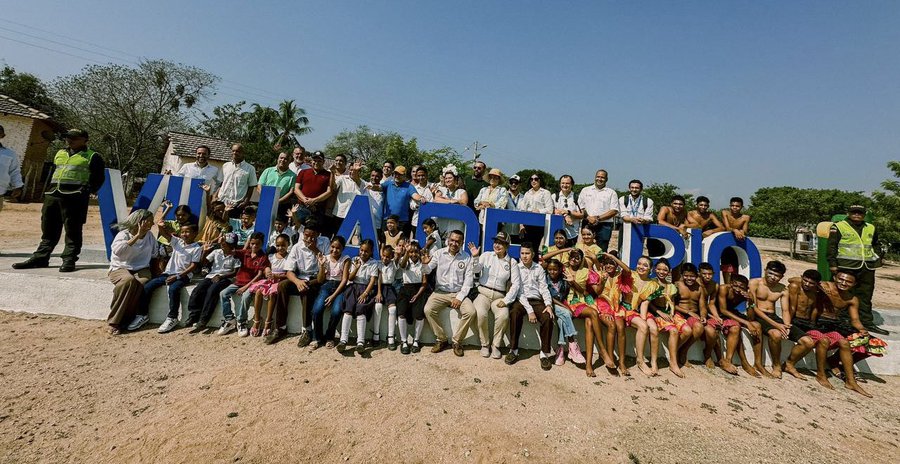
{"x":498,"y":287}
{"x":450,"y":193}
{"x":129,"y":268}
{"x":492,"y":196}
{"x":536,"y":200}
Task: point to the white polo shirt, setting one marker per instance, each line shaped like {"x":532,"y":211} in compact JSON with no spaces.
{"x":209,"y":173}
{"x":236,"y":180}
{"x":595,"y":202}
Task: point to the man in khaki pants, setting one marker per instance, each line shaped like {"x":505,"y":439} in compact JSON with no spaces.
{"x":453,"y":281}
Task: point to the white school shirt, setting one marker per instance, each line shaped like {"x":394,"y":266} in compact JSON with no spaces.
{"x":209,"y":173}
{"x":389,"y":272}
{"x":540,"y":201}
{"x":277,"y":264}
{"x":534,"y":285}
{"x":595,"y":202}
{"x":10,"y":170}
{"x":512,"y":203}
{"x":182,"y":256}
{"x":568,"y":202}
{"x":412,"y":273}
{"x":335,"y":270}
{"x":346,"y":190}
{"x":497,"y":274}
{"x":438,"y":244}
{"x":236,"y":180}
{"x":221,"y":264}
{"x":454,"y":273}
{"x":414,"y":205}
{"x":302,"y":261}
{"x":134,"y":257}
{"x":365,"y":273}
{"x":635,"y":208}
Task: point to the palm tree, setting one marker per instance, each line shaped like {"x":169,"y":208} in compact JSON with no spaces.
{"x":261,"y":124}
{"x":290,"y":122}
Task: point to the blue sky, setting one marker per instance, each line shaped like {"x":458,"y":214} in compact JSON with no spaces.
{"x":719,"y":98}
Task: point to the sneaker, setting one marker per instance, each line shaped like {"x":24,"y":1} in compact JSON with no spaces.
{"x":404,"y":348}
{"x":457,"y":349}
{"x":485,"y":352}
{"x":415,"y":347}
{"x":243,"y":331}
{"x":138,"y":322}
{"x":560,"y":356}
{"x":329,"y":344}
{"x":274,"y":335}
{"x":169,"y":325}
{"x":313,"y":346}
{"x":227,"y":327}
{"x":575,"y":353}
{"x":197,"y":327}
{"x":495,"y":352}
{"x":546,"y":363}
{"x":304,"y":339}
{"x":511,"y":358}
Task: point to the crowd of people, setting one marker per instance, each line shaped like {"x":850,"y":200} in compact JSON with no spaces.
{"x":577,"y":277}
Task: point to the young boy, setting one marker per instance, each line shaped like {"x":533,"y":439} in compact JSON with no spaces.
{"x":280,"y":226}
{"x":253,"y":265}
{"x":392,"y":233}
{"x":223,"y":267}
{"x":738,"y":223}
{"x":674,"y":216}
{"x":243,"y":227}
{"x":709,"y":316}
{"x":184,"y":261}
{"x":704,"y":219}
{"x":768,"y":291}
{"x":689,"y":293}
{"x":730,"y":297}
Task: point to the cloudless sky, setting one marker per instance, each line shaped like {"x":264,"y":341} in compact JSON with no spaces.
{"x":719,"y":98}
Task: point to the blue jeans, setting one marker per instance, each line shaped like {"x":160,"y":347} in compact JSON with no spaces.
{"x":318,"y":311}
{"x":246,"y":298}
{"x":174,"y":294}
{"x":564,"y":320}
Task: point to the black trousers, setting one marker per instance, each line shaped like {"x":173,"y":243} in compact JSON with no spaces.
{"x":545,"y":322}
{"x":865,"y":287}
{"x":60,"y":212}
{"x":204,"y":299}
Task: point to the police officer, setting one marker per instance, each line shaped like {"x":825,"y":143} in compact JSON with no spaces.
{"x":77,"y":172}
{"x":852,"y":246}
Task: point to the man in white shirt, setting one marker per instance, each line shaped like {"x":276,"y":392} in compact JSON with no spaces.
{"x":420,"y":182}
{"x":302,"y":266}
{"x":635,"y":208}
{"x":301,"y":160}
{"x":10,"y":172}
{"x":201,"y":169}
{"x":238,"y":181}
{"x":600,"y":205}
{"x":453,"y":280}
{"x":534,"y":299}
{"x":346,"y":186}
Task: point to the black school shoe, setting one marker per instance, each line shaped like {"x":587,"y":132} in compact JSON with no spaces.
{"x":546,"y":363}
{"x":404,"y":348}
{"x":68,"y":266}
{"x":31,"y":264}
{"x":392,"y":344}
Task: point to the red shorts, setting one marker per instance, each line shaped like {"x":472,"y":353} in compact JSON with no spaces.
{"x":692,"y":322}
{"x":724,"y":325}
{"x":832,"y":337}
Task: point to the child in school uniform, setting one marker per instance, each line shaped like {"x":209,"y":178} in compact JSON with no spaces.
{"x":243,"y":227}
{"x":185,"y":259}
{"x":253,"y":265}
{"x":386,"y":296}
{"x":412,"y":296}
{"x":264,"y":289}
{"x":359,"y":298}
{"x":223,"y":266}
{"x":334,"y":273}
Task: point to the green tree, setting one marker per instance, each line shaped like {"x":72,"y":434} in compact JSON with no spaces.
{"x":886,"y":209}
{"x":777,"y":212}
{"x":127,"y":109}
{"x":28,"y":89}
{"x":228,"y":122}
{"x":290,"y":123}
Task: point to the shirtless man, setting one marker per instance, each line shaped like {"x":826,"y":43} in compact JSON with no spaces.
{"x":837,"y":300}
{"x":674,"y":216}
{"x":730,"y":297}
{"x":709,"y":316}
{"x":768,"y":290}
{"x":689,"y":295}
{"x":805,"y":303}
{"x":704,"y":219}
{"x":738,"y":223}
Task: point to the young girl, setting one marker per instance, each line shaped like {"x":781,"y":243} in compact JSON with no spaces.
{"x":412,"y":296}
{"x":559,"y":250}
{"x":386,"y":296}
{"x":657,"y":305}
{"x":616,"y":286}
{"x":183,"y":217}
{"x":334,"y":273}
{"x":640,"y":278}
{"x":583,"y":306}
{"x":433,"y":242}
{"x":264,"y":289}
{"x":589,"y":246}
{"x":559,"y":291}
{"x":216,"y":223}
{"x":359,"y":298}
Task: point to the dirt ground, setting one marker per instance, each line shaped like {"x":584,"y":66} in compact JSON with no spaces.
{"x":73,"y":393}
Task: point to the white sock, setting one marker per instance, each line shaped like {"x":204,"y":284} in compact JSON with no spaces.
{"x":376,"y":320}
{"x":345,"y":328}
{"x":544,"y":355}
{"x":360,"y":330}
{"x":392,"y":320}
{"x":419,"y":325}
{"x":516,"y":351}
{"x":404,"y":329}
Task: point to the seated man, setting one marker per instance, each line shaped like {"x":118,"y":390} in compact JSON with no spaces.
{"x":689,"y":294}
{"x":453,"y":280}
{"x":767,"y":291}
{"x":730,"y":297}
{"x":704,"y":219}
{"x":534,"y":299}
{"x":302,"y":267}
{"x":709,"y":316}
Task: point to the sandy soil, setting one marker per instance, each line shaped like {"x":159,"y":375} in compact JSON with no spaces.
{"x":73,"y":393}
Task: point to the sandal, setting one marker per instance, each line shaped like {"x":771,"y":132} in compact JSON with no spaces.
{"x":266,"y":331}
{"x":254,"y":331}
{"x":114,"y":330}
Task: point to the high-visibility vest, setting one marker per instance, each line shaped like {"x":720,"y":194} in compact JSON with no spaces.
{"x":73,"y":171}
{"x":855,"y":250}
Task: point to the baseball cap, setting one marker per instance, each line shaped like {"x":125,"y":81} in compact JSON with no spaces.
{"x":318,"y":154}
{"x":400,"y":170}
{"x":75,"y":133}
{"x":502,"y":237}
{"x":857,"y":208}
{"x":515,"y":178}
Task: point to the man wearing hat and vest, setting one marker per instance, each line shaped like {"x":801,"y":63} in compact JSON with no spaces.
{"x":852,"y":245}
{"x":78,"y":172}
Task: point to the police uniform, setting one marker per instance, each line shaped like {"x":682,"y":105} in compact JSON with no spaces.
{"x":853,"y":248}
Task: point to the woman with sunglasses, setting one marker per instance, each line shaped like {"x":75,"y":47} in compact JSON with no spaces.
{"x":536,"y":200}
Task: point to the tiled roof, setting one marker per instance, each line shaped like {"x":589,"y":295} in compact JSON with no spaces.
{"x":186,"y":145}
{"x":11,"y":106}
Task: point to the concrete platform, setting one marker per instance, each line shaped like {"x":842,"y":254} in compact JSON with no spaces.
{"x":86,"y":294}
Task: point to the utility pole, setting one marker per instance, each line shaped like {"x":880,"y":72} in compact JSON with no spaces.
{"x":475,"y":148}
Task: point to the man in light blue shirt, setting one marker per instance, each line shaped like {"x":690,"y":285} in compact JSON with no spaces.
{"x":10,"y":172}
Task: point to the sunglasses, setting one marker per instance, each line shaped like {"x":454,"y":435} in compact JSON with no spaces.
{"x":535,"y":178}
